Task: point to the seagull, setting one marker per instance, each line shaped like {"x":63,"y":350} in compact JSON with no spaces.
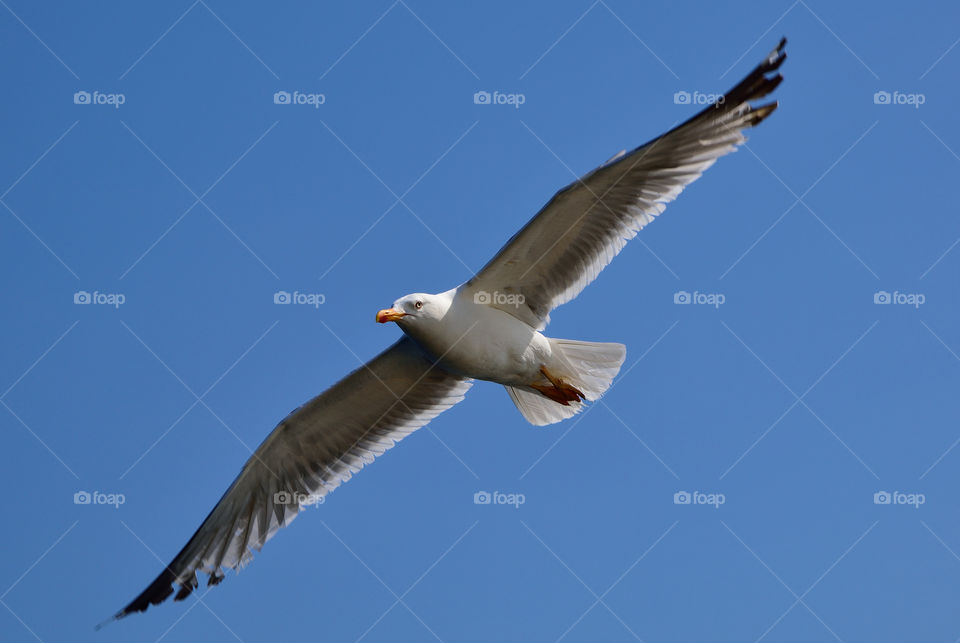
{"x":489,"y":328}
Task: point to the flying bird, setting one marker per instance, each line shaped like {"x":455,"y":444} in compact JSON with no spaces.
{"x":489,"y":328}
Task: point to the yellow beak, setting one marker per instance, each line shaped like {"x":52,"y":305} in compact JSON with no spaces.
{"x":390,"y":315}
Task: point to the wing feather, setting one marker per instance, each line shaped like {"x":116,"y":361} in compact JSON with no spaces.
{"x":586,"y":224}
{"x":309,"y":454}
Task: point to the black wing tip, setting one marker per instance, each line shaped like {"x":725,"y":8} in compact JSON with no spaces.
{"x":758,"y":114}
{"x":757,"y":84}
{"x":158,"y":592}
{"x":778,"y":55}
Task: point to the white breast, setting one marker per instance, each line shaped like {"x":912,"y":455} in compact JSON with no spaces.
{"x":479,"y":341}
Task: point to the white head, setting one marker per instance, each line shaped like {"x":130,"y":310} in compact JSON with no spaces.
{"x":415,"y":310}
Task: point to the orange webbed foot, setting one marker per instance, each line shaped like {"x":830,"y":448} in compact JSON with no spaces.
{"x":558,"y":390}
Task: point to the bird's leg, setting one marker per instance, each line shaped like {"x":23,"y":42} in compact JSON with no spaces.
{"x":558,"y":390}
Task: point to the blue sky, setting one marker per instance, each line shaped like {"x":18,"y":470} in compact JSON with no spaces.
{"x":180,"y":197}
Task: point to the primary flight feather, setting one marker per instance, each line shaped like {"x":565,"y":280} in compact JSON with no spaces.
{"x":488,"y":328}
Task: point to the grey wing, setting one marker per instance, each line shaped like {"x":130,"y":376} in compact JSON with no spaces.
{"x":309,"y":454}
{"x":586,"y":224}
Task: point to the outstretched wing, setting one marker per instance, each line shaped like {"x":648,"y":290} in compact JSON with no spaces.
{"x":310,"y":453}
{"x":566,"y":245}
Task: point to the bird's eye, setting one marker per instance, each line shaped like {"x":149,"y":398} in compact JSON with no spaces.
{"x":419,"y":305}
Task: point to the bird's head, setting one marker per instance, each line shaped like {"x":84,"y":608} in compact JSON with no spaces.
{"x":418,"y":307}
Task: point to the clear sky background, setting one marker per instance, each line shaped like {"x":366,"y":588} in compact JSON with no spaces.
{"x":198,"y":198}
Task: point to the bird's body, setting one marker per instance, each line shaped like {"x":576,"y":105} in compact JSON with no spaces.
{"x":463,"y":332}
{"x":478,"y":341}
{"x":489,"y":328}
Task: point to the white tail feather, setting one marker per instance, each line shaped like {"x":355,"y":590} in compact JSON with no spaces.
{"x":538,"y":409}
{"x":589,"y":366}
{"x":592,"y":365}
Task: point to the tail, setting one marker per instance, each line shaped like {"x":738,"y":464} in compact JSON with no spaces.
{"x":588,"y":366}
